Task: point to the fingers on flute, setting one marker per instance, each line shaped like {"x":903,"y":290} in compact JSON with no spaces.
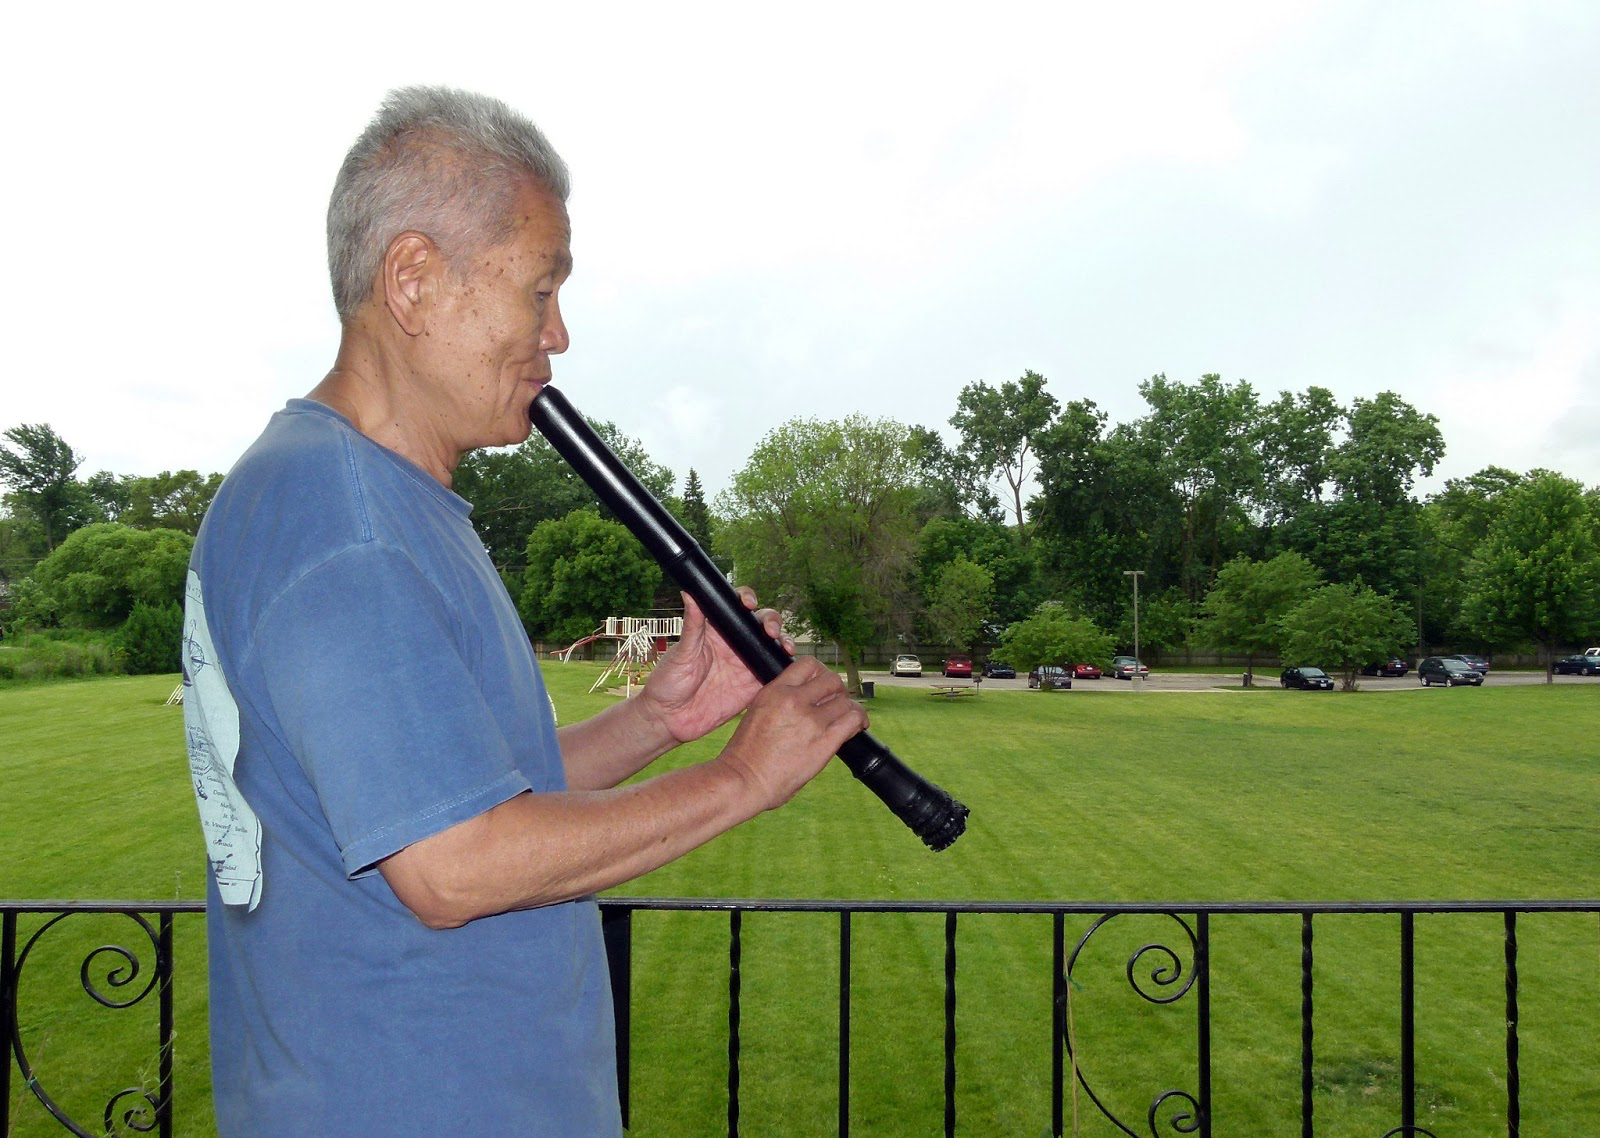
{"x":793,"y":727}
{"x":837,"y":715}
{"x":771,"y":619}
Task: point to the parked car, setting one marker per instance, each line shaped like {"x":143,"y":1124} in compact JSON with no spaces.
{"x":905,"y":666}
{"x":1387,"y":668}
{"x":957,"y":666}
{"x":1476,"y":663}
{"x":1085,"y":672}
{"x":1584,"y":665}
{"x":1126,"y":667}
{"x":1591,"y":651}
{"x":1448,"y":670}
{"x":998,"y":670}
{"x":1308,"y":679}
{"x":1058,"y":677}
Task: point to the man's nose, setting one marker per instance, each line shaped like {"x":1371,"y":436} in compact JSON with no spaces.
{"x":554,"y":338}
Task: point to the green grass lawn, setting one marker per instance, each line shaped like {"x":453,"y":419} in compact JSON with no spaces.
{"x":1260,"y":795}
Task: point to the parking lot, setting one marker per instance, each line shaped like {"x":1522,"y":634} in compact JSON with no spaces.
{"x":1165,"y":681}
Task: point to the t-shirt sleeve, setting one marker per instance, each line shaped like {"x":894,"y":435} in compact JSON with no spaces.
{"x":370,"y":676}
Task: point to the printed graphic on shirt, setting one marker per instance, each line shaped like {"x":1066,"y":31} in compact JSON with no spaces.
{"x":211,"y":721}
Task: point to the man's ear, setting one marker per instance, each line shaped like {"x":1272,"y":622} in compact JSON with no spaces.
{"x":409,"y":274}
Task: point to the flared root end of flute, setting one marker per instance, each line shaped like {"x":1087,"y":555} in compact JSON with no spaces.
{"x":942,"y":827}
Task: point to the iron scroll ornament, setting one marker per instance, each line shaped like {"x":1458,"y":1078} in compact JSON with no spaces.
{"x":1166,"y":971}
{"x":931,"y":813}
{"x":144,"y":1114}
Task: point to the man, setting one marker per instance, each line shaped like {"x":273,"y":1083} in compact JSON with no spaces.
{"x":403,"y":936}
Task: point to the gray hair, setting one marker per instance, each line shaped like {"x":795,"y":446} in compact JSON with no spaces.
{"x":440,"y":161}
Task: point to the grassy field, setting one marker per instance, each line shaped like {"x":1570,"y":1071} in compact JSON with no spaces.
{"x":1260,"y":795}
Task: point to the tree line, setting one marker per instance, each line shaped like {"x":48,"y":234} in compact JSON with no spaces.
{"x":1287,"y":527}
{"x":1284,"y":527}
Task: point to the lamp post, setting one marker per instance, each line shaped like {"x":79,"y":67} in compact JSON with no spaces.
{"x":1135,"y":574}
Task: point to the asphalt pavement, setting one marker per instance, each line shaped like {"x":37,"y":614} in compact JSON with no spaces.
{"x":1161,"y":680}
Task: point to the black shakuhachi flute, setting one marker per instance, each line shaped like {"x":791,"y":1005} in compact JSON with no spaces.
{"x":931,"y":813}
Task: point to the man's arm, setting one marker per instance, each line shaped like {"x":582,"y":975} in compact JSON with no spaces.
{"x":536,"y":849}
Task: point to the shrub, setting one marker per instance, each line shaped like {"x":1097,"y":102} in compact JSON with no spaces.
{"x":39,"y":657}
{"x":95,"y":577}
{"x":149,"y":640}
{"x":32,"y":607}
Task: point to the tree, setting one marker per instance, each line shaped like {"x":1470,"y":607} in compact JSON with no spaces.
{"x":1295,"y":439}
{"x":1247,"y":601}
{"x":696,"y":514}
{"x":109,"y":497}
{"x":581,"y":569}
{"x":21,"y":545}
{"x":1204,"y":434}
{"x":999,"y":427}
{"x":988,"y":543}
{"x":1373,"y":532}
{"x":1166,"y":620}
{"x":821,"y":521}
{"x":169,"y":500}
{"x":961,"y":602}
{"x":1454,"y":523}
{"x":1535,"y":577}
{"x":1343,"y":628}
{"x":1053,"y":636}
{"x":1104,"y":505}
{"x":513,"y":489}
{"x":38,"y":465}
{"x":95,"y":577}
{"x":950,"y":486}
{"x":1388,"y":445}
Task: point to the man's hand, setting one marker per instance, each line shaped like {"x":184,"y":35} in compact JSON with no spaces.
{"x":700,"y":683}
{"x":793,"y":727}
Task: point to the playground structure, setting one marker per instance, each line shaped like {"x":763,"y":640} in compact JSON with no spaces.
{"x":640,"y":642}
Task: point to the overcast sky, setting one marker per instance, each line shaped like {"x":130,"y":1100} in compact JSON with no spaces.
{"x":819,"y":209}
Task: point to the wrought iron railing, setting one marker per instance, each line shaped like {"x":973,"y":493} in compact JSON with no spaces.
{"x":117,"y":976}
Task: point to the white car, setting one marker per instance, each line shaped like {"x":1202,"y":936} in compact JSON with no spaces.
{"x":1591,"y":651}
{"x":906,"y":666}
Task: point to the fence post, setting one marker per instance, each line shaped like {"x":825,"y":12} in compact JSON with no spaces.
{"x":616,"y":928}
{"x":8,"y":1011}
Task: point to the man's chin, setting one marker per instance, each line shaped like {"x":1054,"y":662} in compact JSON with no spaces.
{"x":520,"y":432}
{"x":511,"y":432}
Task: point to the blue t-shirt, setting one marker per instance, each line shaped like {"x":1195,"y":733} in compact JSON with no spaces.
{"x":358,"y":680}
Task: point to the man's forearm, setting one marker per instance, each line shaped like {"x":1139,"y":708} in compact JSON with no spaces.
{"x":539,"y":849}
{"x":536,"y":849}
{"x":607,"y":749}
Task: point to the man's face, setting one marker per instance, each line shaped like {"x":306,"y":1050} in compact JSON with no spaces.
{"x":498,"y":327}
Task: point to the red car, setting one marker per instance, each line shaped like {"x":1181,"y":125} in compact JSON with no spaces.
{"x":1085,"y":672}
{"x":958,"y":666}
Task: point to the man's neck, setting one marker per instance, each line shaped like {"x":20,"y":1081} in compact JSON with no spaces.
{"x":369,"y":388}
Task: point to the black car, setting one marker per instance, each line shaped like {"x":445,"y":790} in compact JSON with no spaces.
{"x":1451,"y":671}
{"x":1309,"y":679}
{"x":1476,"y":663}
{"x":1058,"y":677}
{"x":998,"y":670}
{"x":1578,"y":666}
{"x":1387,"y":668}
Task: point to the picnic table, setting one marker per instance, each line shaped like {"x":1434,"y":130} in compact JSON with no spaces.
{"x":953,"y":691}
